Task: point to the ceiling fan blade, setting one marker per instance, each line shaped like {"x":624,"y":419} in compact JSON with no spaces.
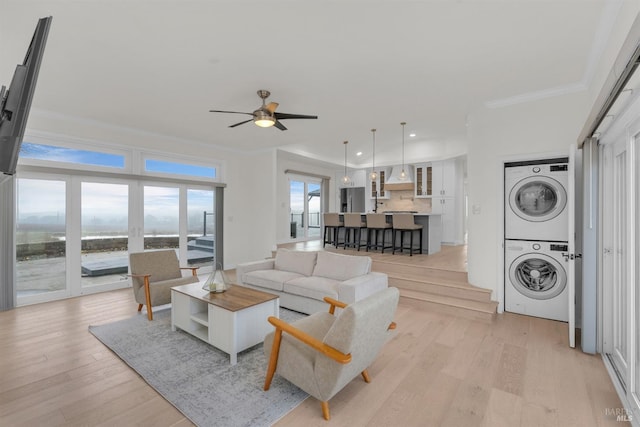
{"x":241,"y":123}
{"x":233,"y":112}
{"x":271,"y":107}
{"x":281,"y":116}
{"x":279,"y":125}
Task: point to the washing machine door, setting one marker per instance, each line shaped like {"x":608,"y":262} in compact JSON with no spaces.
{"x":537,"y":276}
{"x":538,"y":198}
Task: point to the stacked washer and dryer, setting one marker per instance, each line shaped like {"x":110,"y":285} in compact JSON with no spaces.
{"x":536,"y":237}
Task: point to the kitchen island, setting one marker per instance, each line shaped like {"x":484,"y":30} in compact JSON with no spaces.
{"x":431,"y":228}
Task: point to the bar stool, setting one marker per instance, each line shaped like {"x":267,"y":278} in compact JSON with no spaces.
{"x":332,"y":225}
{"x":353,"y":222}
{"x":377,"y":222}
{"x":404,"y":223}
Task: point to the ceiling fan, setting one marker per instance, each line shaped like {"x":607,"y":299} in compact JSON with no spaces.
{"x":266,"y":115}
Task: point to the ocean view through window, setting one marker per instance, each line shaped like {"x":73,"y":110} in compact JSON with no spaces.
{"x":82,"y":209}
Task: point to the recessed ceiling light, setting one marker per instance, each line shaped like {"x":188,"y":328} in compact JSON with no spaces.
{"x":359,"y":153}
{"x":412,"y":135}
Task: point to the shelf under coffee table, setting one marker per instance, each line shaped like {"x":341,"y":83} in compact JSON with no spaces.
{"x":231,"y":321}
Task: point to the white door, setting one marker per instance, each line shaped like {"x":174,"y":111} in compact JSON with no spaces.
{"x":619,"y":251}
{"x":615,"y":234}
{"x":620,"y":233}
{"x":570,"y":257}
{"x":634,"y":333}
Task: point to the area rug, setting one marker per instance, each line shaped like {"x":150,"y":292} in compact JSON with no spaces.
{"x":196,"y":378}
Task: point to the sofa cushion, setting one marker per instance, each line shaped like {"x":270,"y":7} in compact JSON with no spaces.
{"x":301,"y":262}
{"x":313,"y":287}
{"x":341,"y":267}
{"x":270,"y":279}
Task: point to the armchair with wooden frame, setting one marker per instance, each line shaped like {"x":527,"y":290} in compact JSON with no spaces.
{"x":324,"y":352}
{"x":153,"y":275}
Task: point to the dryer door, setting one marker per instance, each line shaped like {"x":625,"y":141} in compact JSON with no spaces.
{"x":538,"y":198}
{"x":537,"y":276}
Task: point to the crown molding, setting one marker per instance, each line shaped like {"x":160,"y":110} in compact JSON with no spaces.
{"x":611,"y":9}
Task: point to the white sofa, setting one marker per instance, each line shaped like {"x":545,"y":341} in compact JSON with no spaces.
{"x":302,"y":279}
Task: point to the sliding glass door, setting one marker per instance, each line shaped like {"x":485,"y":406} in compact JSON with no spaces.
{"x":201,"y":220}
{"x":41,"y":239}
{"x":305,"y":197}
{"x":74,"y":233}
{"x":161,"y":217}
{"x":104,"y":228}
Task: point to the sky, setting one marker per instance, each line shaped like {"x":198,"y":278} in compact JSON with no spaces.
{"x":30,"y":150}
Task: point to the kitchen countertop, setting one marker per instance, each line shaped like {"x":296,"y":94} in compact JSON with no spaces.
{"x":399,"y":212}
{"x":408,"y":212}
{"x":432,"y":231}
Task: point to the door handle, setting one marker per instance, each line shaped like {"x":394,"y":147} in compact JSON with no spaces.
{"x":568,"y":256}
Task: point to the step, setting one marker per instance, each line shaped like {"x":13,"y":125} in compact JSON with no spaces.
{"x":208,"y":249}
{"x":432,"y":274}
{"x":204,"y":241}
{"x":476,"y":310}
{"x":456,"y":290}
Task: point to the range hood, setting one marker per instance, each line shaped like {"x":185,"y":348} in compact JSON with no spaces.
{"x":395,"y":183}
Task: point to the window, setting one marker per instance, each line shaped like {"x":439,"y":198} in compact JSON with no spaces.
{"x":156,"y":167}
{"x":58,"y":154}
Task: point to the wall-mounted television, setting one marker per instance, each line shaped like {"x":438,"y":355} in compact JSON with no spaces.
{"x":15,"y":101}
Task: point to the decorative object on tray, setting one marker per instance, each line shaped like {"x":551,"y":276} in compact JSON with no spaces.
{"x":217,"y":281}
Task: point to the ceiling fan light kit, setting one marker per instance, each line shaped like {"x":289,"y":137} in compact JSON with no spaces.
{"x":266,"y":116}
{"x":263,"y":119}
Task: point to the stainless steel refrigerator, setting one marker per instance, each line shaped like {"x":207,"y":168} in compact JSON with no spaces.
{"x":352,"y":199}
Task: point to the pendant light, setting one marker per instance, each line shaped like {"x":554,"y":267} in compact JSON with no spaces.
{"x":403,"y":174}
{"x":346,"y":180}
{"x":373,"y":175}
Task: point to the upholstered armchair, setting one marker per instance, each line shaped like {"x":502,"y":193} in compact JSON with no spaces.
{"x":324,"y":352}
{"x":153,"y":274}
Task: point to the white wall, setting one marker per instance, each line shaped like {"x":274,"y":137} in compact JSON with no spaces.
{"x":249,"y":209}
{"x":286,"y":160}
{"x":529,"y":130}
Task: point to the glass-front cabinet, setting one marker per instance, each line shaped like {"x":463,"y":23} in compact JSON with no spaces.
{"x":424,"y":180}
{"x":377,"y":185}
{"x":435,"y":179}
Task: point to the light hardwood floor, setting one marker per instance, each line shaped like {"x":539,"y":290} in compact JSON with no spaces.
{"x":438,"y":370}
{"x":453,"y":258}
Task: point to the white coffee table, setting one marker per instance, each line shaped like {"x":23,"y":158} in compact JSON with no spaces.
{"x":231,"y":321}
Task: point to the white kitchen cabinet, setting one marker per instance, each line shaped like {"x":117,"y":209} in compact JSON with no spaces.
{"x":446,"y":207}
{"x":378,"y":183}
{"x":435,"y":179}
{"x":444,"y":178}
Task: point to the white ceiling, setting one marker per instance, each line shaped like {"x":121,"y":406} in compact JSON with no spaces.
{"x":159,"y":66}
